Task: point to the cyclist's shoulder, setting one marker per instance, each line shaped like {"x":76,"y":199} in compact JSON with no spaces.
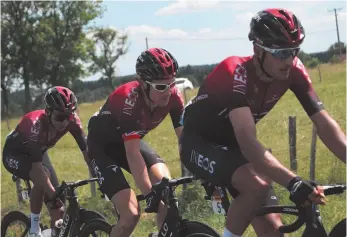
{"x":33,"y":117}
{"x":299,"y":72}
{"x":231,"y":63}
{"x":33,"y":122}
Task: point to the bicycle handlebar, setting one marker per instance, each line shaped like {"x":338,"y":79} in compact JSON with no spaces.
{"x":159,"y":187}
{"x":303,"y":212}
{"x":71,"y":185}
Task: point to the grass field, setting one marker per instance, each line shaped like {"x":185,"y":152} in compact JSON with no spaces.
{"x":272,"y":132}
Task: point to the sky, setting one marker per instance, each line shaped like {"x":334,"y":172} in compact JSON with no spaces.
{"x":205,"y":32}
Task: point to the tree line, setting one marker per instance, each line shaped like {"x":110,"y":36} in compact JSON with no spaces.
{"x":54,"y":43}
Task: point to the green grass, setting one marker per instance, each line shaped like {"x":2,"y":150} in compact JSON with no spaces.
{"x":272,"y":132}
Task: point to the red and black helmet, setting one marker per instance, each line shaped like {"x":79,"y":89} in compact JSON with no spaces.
{"x":61,"y":99}
{"x":156,"y":64}
{"x":276,"y":27}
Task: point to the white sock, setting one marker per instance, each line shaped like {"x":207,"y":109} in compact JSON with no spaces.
{"x":35,"y":223}
{"x":227,"y":233}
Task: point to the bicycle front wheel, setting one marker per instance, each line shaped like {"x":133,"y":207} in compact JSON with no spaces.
{"x":195,"y":227}
{"x":15,"y":223}
{"x":96,"y":227}
{"x":199,"y":235}
{"x":339,"y":230}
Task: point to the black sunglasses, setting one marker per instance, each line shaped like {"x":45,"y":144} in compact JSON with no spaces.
{"x":61,"y":116}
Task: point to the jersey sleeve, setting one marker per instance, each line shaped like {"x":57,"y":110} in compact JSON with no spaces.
{"x":303,"y":90}
{"x":228,"y":84}
{"x":30,"y":133}
{"x":176,"y":109}
{"x":76,"y":131}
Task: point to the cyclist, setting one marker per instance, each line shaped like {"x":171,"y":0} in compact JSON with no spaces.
{"x":26,"y":146}
{"x":115,"y":135}
{"x":223,"y":148}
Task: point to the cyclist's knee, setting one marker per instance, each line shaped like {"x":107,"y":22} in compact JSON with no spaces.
{"x":267,"y":225}
{"x":126,"y":203}
{"x":248,"y":182}
{"x":158,"y":171}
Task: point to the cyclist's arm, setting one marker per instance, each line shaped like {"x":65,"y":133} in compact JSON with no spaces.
{"x":178,"y":131}
{"x":77,"y":132}
{"x":245,"y":132}
{"x":137,"y":165}
{"x":330,"y":133}
{"x":327,"y":128}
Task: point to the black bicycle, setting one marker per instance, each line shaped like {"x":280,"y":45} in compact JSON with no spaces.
{"x":74,"y":219}
{"x":174,"y":225}
{"x":309,"y":215}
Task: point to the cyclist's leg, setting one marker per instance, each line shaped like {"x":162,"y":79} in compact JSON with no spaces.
{"x":265,"y":225}
{"x":21,"y":165}
{"x":224,"y":166}
{"x":157,"y":170}
{"x":55,"y":214}
{"x":113,"y":184}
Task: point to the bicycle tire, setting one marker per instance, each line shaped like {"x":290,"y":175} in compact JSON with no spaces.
{"x":339,"y":229}
{"x":85,"y":217}
{"x":12,"y":217}
{"x":199,"y":235}
{"x":96,"y":225}
{"x":195,"y":227}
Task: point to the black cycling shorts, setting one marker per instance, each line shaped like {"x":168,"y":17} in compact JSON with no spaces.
{"x":107,"y":161}
{"x":214,"y":163}
{"x":19,"y":163}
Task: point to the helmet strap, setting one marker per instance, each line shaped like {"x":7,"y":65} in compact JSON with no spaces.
{"x":261,"y":63}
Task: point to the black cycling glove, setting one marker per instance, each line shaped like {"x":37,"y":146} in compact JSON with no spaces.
{"x":152,"y":201}
{"x":300,"y":190}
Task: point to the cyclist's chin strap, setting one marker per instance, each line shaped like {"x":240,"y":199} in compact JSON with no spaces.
{"x":147,"y":90}
{"x":261,"y":63}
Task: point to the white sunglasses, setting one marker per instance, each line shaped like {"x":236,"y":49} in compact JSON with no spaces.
{"x":161,"y":87}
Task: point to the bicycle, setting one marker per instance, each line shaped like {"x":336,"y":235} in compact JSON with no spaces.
{"x":174,"y":224}
{"x":74,"y":219}
{"x":308,"y":215}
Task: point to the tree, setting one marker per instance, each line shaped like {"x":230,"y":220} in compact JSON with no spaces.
{"x":112,"y":46}
{"x":335,"y":48}
{"x":44,"y":42}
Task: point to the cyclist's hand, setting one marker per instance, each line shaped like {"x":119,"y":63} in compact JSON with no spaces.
{"x":152,"y":201}
{"x":301,"y":192}
{"x":55,"y":204}
{"x":317,"y":196}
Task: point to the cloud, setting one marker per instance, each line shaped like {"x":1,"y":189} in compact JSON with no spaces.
{"x":156,"y":33}
{"x":186,"y":6}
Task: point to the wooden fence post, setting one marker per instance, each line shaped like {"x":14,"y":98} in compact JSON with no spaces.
{"x":92,"y":186}
{"x":19,"y":191}
{"x":313,"y":153}
{"x":320,"y":75}
{"x":292,"y":143}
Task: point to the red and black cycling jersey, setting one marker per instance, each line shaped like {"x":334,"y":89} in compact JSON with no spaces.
{"x":233,"y":84}
{"x":34,"y":135}
{"x":125,"y":115}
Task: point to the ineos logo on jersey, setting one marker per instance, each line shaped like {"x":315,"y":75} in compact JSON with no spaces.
{"x":35,"y":130}
{"x":202,"y":162}
{"x":130,"y":102}
{"x":240,"y":79}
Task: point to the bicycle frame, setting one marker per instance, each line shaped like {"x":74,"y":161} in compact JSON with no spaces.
{"x":173,"y":218}
{"x":308,"y":215}
{"x":71,"y":214}
{"x":173,"y":224}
